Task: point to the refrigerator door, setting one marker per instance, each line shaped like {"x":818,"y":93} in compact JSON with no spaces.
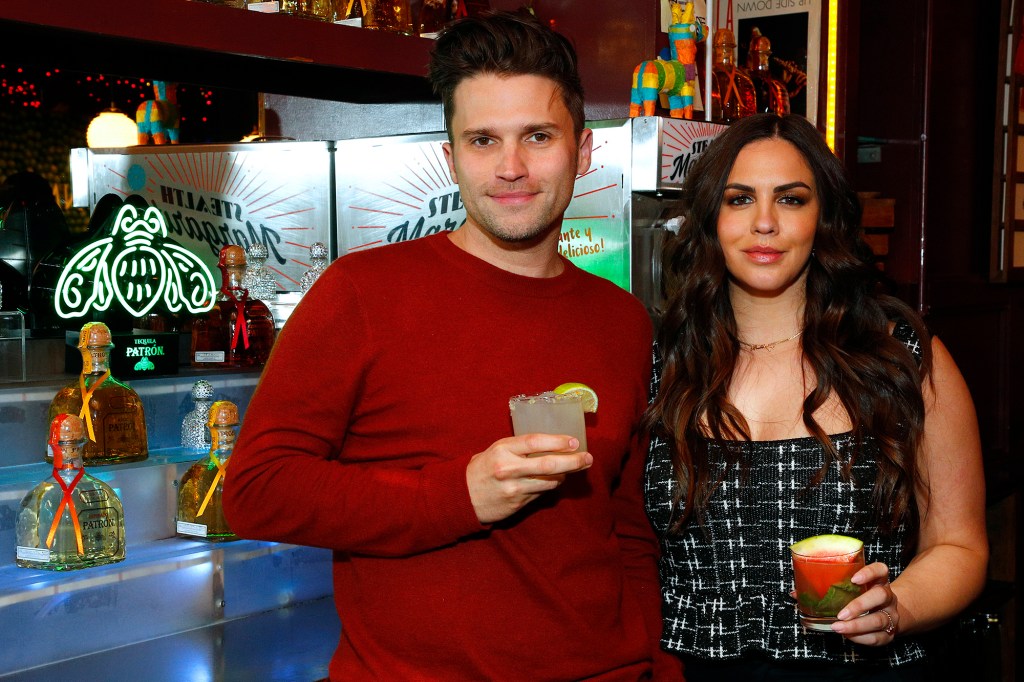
{"x":277,"y":193}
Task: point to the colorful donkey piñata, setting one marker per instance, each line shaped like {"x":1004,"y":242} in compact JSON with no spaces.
{"x":675,"y":77}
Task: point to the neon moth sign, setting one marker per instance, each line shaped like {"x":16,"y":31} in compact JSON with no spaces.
{"x":138,"y":265}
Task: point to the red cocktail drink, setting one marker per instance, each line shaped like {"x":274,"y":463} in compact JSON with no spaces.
{"x":822,"y":568}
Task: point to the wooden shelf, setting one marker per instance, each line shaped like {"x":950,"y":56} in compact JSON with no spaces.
{"x":212,"y":45}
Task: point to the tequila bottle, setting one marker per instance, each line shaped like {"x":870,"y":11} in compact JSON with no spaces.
{"x":771,"y":95}
{"x":735,"y":88}
{"x":434,"y":15}
{"x":193,"y":427}
{"x":71,"y":520}
{"x":200,"y":513}
{"x":238,"y":331}
{"x":257,"y":279}
{"x":388,"y":15}
{"x":112,"y":411}
{"x":318,"y":254}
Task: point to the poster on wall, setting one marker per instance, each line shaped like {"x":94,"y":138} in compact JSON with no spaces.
{"x":393,"y":189}
{"x":794,"y":29}
{"x":275,"y":193}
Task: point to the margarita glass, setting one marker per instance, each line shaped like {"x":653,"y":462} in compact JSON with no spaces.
{"x":549,"y":412}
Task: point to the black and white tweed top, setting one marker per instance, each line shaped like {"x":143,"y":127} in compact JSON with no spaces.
{"x":725,"y":585}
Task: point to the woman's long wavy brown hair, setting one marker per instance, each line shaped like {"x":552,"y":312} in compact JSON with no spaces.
{"x":846,"y":339}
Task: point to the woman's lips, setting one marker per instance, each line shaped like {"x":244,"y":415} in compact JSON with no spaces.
{"x":763,"y":255}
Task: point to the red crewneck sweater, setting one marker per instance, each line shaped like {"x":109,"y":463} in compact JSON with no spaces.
{"x":394,"y":370}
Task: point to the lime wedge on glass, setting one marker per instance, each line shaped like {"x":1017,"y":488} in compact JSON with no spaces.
{"x":588,"y":395}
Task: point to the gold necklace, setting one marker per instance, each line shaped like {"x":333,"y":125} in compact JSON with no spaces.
{"x":768,"y":346}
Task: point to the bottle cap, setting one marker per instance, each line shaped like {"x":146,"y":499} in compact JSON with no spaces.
{"x":762,"y":44}
{"x":202,"y":390}
{"x":65,"y":430}
{"x":95,"y":335}
{"x":223,"y":413}
{"x":232,"y":255}
{"x":257,"y":251}
{"x":724,"y":38}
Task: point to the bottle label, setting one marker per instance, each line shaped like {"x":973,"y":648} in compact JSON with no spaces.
{"x":33,"y":554}
{"x":101,"y":523}
{"x":197,"y":529}
{"x":209,"y":356}
{"x":267,"y":7}
{"x":120,"y":432}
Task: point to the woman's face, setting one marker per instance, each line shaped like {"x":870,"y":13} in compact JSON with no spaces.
{"x":768,"y":217}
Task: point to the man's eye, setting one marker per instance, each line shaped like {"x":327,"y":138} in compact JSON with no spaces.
{"x":480,"y":141}
{"x":540,"y":137}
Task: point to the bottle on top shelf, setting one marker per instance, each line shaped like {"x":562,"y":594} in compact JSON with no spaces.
{"x":318,"y":263}
{"x":70,"y":520}
{"x":735,"y":87}
{"x":112,"y":411}
{"x":434,"y":15}
{"x":200,"y":513}
{"x":238,"y":331}
{"x":771,"y":95}
{"x":257,"y":278}
{"x":388,"y":15}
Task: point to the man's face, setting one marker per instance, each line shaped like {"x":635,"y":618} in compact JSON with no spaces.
{"x":515,"y":155}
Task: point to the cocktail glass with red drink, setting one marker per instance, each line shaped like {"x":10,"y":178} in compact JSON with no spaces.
{"x":822,"y":568}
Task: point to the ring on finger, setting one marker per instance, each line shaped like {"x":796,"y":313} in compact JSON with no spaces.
{"x":890,"y":628}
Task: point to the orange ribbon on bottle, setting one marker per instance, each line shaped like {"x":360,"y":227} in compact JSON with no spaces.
{"x":86,"y":414}
{"x":221,"y":470}
{"x":66,"y":501}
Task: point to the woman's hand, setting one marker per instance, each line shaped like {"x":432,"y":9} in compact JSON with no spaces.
{"x":872,"y":618}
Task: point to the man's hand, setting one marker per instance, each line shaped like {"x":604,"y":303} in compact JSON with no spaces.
{"x":504,"y":478}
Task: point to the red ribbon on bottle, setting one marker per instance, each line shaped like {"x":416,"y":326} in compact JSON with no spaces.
{"x":241,"y":325}
{"x":66,"y":501}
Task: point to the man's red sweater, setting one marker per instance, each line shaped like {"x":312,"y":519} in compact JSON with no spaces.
{"x":394,"y":370}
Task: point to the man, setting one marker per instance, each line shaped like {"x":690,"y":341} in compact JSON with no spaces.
{"x":381,"y":427}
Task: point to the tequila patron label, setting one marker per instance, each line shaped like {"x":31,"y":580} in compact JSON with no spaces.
{"x":115,"y":423}
{"x":200,"y":513}
{"x":71,"y":520}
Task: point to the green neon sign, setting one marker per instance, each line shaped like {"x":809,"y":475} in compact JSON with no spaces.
{"x":137,"y":265}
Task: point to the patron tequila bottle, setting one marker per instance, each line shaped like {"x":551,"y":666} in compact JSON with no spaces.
{"x":434,"y":15}
{"x":771,"y":95}
{"x":257,"y":279}
{"x":388,"y":15}
{"x":193,"y":427}
{"x":112,"y":411}
{"x":735,"y":88}
{"x":70,"y":520}
{"x":200,"y":513}
{"x":318,"y":254}
{"x":238,"y":331}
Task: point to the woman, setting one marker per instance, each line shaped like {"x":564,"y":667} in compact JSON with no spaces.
{"x":796,"y":400}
